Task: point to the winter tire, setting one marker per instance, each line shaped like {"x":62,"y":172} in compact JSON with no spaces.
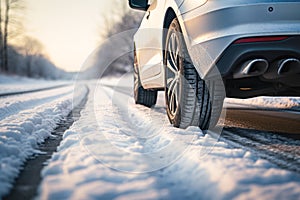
{"x":188,"y":98}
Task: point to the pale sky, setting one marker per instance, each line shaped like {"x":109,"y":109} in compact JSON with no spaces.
{"x":68,"y":29}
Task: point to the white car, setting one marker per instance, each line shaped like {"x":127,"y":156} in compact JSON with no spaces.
{"x":199,"y":51}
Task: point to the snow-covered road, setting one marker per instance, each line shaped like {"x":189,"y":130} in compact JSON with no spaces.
{"x":27,"y":119}
{"x":20,"y":85}
{"x":119,"y":150}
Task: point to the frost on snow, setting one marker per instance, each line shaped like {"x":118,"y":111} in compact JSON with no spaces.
{"x":119,"y":150}
{"x":26,"y":121}
{"x":291,"y":103}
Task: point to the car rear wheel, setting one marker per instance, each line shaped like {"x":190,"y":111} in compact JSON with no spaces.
{"x":188,"y":98}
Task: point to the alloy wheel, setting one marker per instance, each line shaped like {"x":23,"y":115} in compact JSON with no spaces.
{"x":173,"y":75}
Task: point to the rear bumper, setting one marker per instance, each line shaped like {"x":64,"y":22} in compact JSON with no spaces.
{"x":236,"y":54}
{"x":212,"y":28}
{"x":270,"y":82}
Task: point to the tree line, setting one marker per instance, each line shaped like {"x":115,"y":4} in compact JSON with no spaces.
{"x":116,"y":32}
{"x":26,"y":57}
{"x":7,"y":6}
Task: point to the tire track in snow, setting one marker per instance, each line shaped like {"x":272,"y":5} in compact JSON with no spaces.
{"x":27,"y":183}
{"x":282,"y":151}
{"x":21,"y":134}
{"x":14,"y":105}
{"x":137,"y":132}
{"x":224,"y":173}
{"x":127,"y":141}
{"x":4,"y":94}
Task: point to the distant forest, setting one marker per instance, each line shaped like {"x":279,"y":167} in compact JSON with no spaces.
{"x":23,"y":55}
{"x":20,"y":54}
{"x":115,"y":56}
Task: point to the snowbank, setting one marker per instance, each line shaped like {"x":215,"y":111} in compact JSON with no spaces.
{"x":13,"y":84}
{"x":25,"y":122}
{"x":112,"y":152}
{"x":292,"y":103}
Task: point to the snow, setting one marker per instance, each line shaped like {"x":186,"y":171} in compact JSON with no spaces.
{"x":27,"y":120}
{"x":289,"y":103}
{"x":119,"y":150}
{"x":14,"y":84}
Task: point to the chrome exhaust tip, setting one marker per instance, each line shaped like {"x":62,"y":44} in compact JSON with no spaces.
{"x":255,"y":67}
{"x":289,"y":66}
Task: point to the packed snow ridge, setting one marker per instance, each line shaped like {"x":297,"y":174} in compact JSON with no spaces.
{"x":15,"y":84}
{"x":290,"y":103}
{"x":27,"y":120}
{"x":119,"y":150}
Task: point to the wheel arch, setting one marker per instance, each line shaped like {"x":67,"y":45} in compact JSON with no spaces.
{"x":169,"y":16}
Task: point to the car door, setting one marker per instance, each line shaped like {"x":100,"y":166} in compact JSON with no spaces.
{"x":148,"y":40}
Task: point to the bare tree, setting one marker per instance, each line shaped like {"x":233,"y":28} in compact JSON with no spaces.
{"x":31,"y":46}
{"x":5,"y":53}
{"x":20,"y":54}
{"x":11,"y":7}
{"x":115,"y":43}
{"x":31,"y":49}
{"x":111,"y":19}
{"x":1,"y":39}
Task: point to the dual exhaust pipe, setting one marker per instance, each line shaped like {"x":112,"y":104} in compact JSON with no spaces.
{"x":289,"y":66}
{"x":257,"y":67}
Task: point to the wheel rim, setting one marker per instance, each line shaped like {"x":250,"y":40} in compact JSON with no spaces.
{"x":173,"y":73}
{"x":136,"y":78}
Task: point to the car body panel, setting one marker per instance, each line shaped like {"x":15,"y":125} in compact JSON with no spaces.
{"x":209,"y":27}
{"x":148,"y":42}
{"x":204,"y":28}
